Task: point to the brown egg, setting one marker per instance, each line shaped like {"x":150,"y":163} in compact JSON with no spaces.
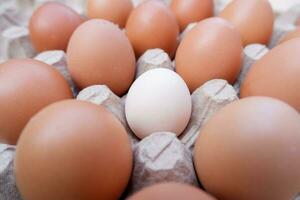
{"x":291,"y":35}
{"x":100,"y":53}
{"x":52,"y":25}
{"x":73,"y":150}
{"x":250,"y":150}
{"x":152,"y":25}
{"x":211,"y":50}
{"x":171,"y":191}
{"x":188,"y":11}
{"x":116,"y":11}
{"x":254,"y":19}
{"x":26,"y":86}
{"x":276,"y":75}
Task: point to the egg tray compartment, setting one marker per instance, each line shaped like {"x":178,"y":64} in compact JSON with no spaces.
{"x":159,"y":157}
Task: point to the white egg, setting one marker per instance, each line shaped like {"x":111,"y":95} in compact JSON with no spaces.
{"x":159,"y":100}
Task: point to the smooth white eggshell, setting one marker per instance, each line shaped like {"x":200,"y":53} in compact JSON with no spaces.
{"x":159,"y":100}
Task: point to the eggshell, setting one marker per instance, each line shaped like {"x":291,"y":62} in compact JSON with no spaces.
{"x":189,"y":11}
{"x":211,"y":50}
{"x":174,"y":191}
{"x":291,"y":35}
{"x":26,"y":86}
{"x":73,"y":150}
{"x":152,"y":25}
{"x":116,"y":11}
{"x":52,"y":25}
{"x":254,"y":19}
{"x":157,"y":101}
{"x":276,"y":75}
{"x":250,"y":150}
{"x":99,"y":53}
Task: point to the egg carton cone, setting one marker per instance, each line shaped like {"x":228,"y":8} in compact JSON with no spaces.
{"x":151,"y":59}
{"x":8,"y":188}
{"x":15,"y":43}
{"x":252,"y":53}
{"x":285,"y":23}
{"x":161,"y":157}
{"x":206,"y":100}
{"x":11,"y":17}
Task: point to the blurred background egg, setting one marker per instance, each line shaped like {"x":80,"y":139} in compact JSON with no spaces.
{"x":100,"y":53}
{"x":276,"y":74}
{"x":116,"y":11}
{"x":158,"y":100}
{"x":171,"y":191}
{"x":188,"y":11}
{"x":73,"y":150}
{"x":26,"y":86}
{"x":253,"y":19}
{"x":211,"y":50}
{"x":291,"y":35}
{"x":52,"y":25}
{"x":250,"y":150}
{"x":152,"y":25}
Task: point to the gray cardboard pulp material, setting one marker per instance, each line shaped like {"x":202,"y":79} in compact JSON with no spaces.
{"x":161,"y":157}
{"x":151,"y":59}
{"x":252,"y":53}
{"x":8,"y":188}
{"x":284,"y":24}
{"x":15,"y":43}
{"x":206,"y":100}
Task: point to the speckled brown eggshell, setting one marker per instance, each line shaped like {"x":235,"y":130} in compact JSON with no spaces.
{"x":171,"y":191}
{"x":276,"y":75}
{"x":211,"y":50}
{"x":254,"y":19}
{"x":188,"y":11}
{"x":250,"y":150}
{"x":116,"y":11}
{"x":152,"y":25}
{"x":100,"y":53}
{"x":291,"y":35}
{"x":52,"y":25}
{"x":26,"y":86}
{"x":73,"y":150}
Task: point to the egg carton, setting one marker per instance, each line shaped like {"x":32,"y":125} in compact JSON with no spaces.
{"x":152,"y":154}
{"x":161,"y":156}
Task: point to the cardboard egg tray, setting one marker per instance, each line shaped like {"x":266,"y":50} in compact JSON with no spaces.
{"x":161,"y":156}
